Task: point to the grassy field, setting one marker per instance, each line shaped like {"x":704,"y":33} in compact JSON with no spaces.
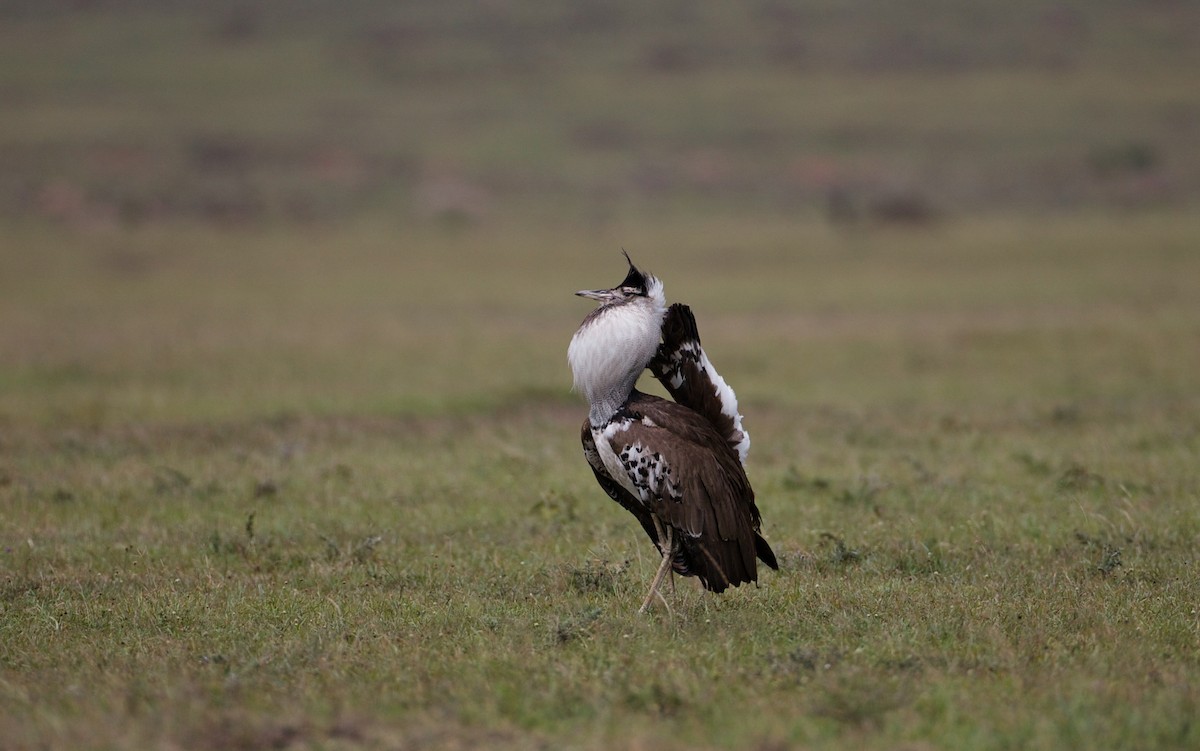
{"x":288,"y":457}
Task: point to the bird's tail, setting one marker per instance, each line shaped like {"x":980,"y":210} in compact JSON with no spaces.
{"x":765,"y":554}
{"x":685,"y":371}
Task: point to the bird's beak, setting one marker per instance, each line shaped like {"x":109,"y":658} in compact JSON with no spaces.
{"x":600,"y":295}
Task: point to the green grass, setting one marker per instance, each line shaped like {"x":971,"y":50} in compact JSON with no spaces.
{"x":318,"y":514}
{"x":391,"y":570}
{"x":287,"y":452}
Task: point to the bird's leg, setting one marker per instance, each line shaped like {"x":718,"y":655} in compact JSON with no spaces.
{"x":668,"y":533}
{"x":667,"y":546}
{"x":667,"y":605}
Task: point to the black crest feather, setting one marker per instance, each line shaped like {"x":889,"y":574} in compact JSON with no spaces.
{"x":635,"y":279}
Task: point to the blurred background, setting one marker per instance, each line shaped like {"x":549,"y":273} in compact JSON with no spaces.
{"x":229,"y":209}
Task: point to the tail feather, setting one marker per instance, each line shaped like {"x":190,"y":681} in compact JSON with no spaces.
{"x":765,"y":554}
{"x":685,"y":371}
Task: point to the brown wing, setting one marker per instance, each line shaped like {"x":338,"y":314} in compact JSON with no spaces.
{"x":640,"y":510}
{"x":685,"y":473}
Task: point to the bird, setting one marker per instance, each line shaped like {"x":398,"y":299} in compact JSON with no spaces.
{"x":677,"y":466}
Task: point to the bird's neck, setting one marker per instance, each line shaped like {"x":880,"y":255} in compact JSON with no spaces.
{"x":609,"y":352}
{"x":601,"y":410}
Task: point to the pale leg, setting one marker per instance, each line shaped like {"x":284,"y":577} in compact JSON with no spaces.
{"x":668,"y":553}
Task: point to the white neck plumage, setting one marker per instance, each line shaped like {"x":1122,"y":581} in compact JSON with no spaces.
{"x":613,"y":346}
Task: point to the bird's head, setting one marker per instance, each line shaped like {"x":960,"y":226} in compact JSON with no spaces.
{"x":636,"y":285}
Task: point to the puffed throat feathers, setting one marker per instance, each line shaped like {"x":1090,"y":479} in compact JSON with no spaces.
{"x":613,"y":346}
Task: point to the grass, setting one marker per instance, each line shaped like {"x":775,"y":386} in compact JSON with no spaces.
{"x":984,"y":506}
{"x":287,"y":453}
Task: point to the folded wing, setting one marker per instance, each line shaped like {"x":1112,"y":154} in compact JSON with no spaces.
{"x":672,"y":462}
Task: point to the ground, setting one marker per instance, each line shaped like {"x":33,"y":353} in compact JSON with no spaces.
{"x":288,"y":456}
